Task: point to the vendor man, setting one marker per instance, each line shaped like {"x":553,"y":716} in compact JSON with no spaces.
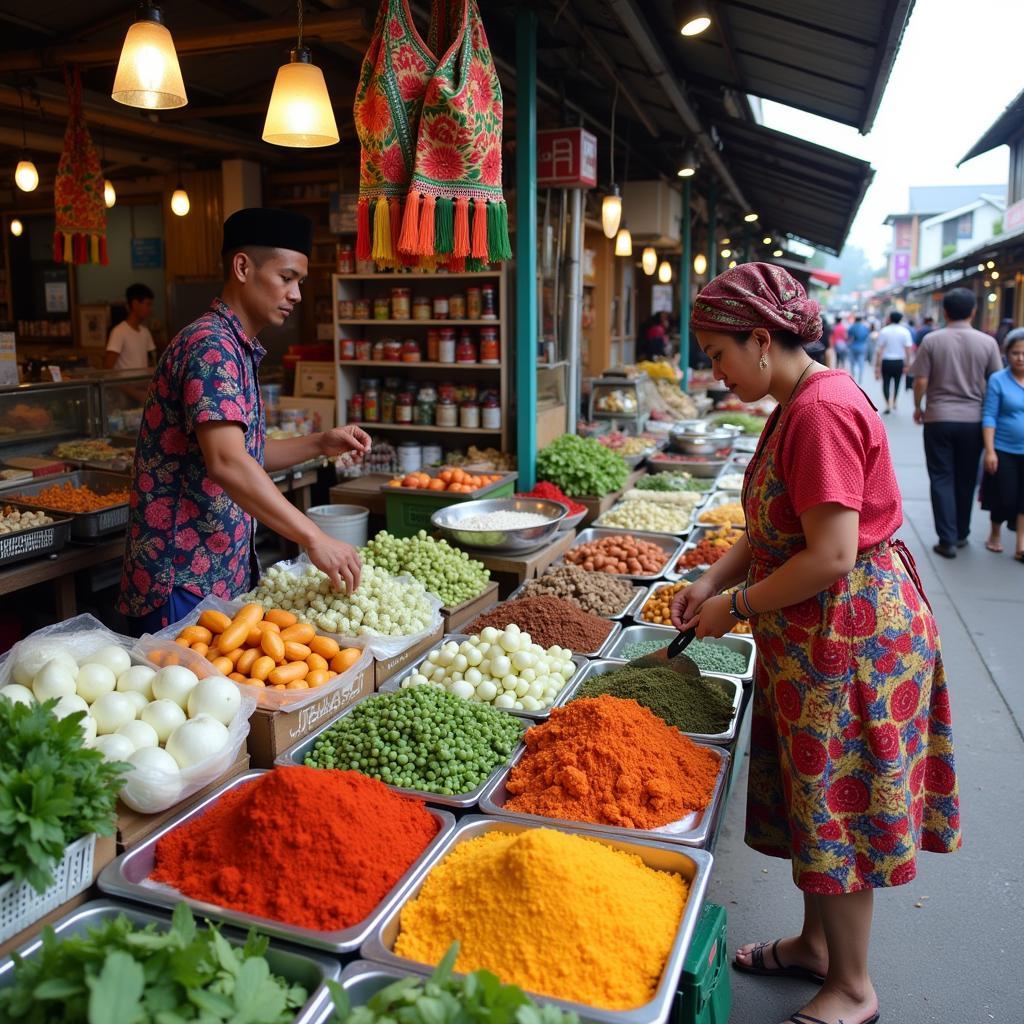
{"x":200,"y":476}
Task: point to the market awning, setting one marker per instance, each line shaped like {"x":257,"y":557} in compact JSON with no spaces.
{"x":827,"y":277}
{"x":831,"y":59}
{"x":815,"y":192}
{"x":1009,"y":123}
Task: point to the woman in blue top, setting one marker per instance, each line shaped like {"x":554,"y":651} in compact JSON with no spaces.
{"x":1002,"y":426}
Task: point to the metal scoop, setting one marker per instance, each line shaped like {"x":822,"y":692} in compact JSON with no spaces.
{"x":672,"y":657}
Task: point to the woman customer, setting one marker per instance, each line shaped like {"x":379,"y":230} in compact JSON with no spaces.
{"x":851,"y":754}
{"x":895,"y":351}
{"x":1002,"y":427}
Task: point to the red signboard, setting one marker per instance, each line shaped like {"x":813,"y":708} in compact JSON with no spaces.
{"x":566,"y":158}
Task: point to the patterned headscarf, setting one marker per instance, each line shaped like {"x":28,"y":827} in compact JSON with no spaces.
{"x":757,"y":295}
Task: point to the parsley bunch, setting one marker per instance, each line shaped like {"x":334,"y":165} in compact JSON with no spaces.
{"x":478,"y":998}
{"x":118,"y":973}
{"x":53,"y":790}
{"x":581,"y":466}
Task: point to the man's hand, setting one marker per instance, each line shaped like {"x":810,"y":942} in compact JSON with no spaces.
{"x":919,"y":416}
{"x":336,"y":558}
{"x":341,"y":440}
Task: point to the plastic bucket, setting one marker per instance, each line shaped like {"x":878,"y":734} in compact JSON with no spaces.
{"x":342,"y":522}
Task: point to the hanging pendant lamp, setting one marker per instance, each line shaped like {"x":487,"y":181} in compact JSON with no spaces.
{"x":665,"y":272}
{"x":17,"y":227}
{"x":700,"y":264}
{"x":300,"y":113}
{"x":148,"y":74}
{"x":649,"y":260}
{"x":26,"y":177}
{"x":623,"y":242}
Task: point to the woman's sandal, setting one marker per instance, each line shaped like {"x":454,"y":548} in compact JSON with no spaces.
{"x":806,"y":1018}
{"x":995,"y":549}
{"x":757,"y":966}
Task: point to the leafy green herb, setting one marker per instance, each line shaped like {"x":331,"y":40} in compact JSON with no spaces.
{"x":750,"y":425}
{"x":673,"y":482}
{"x":478,"y":998}
{"x":581,"y":466}
{"x":120,"y":974}
{"x":53,"y":790}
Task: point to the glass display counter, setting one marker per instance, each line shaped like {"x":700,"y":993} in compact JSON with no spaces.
{"x":34,"y":418}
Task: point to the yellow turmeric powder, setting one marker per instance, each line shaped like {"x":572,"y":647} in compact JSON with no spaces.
{"x":558,"y":915}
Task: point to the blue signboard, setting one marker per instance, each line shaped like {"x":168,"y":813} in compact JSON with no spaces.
{"x":147,"y":253}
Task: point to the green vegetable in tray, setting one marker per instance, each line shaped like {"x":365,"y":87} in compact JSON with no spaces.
{"x":581,"y":466}
{"x":53,"y":790}
{"x":750,"y":425}
{"x":478,"y":998}
{"x":673,"y":482}
{"x":445,"y":571}
{"x":709,"y":657}
{"x":421,"y":738}
{"x":118,"y":973}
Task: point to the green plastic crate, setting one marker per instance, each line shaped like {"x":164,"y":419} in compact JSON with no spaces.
{"x":409,"y":511}
{"x":704,"y":993}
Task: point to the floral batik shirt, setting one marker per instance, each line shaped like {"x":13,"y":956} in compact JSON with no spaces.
{"x":184,"y":530}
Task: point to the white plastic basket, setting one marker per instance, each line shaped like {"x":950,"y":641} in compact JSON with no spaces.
{"x":21,"y":906}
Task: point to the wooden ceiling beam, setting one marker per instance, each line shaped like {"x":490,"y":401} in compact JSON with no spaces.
{"x":39,"y":142}
{"x":325,"y":28}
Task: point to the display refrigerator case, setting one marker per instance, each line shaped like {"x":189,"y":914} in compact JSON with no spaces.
{"x":122,"y":396}
{"x":34,"y":418}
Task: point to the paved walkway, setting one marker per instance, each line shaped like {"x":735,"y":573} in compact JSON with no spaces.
{"x":947,"y":947}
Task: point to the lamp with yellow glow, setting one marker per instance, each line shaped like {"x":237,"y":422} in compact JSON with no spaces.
{"x":180,"y":204}
{"x":623,"y":242}
{"x":611,"y":212}
{"x":665,"y":272}
{"x":26,"y":177}
{"x":17,"y":228}
{"x":692,"y":17}
{"x":148,"y":74}
{"x":750,"y":218}
{"x":649,"y":260}
{"x":700,"y":264}
{"x":109,"y":193}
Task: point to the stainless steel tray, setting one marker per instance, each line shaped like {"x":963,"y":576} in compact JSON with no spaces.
{"x":639,"y":592}
{"x":704,"y":470}
{"x":127,"y":877}
{"x":579,"y":660}
{"x":692,"y":831}
{"x":692,"y":864}
{"x":84,"y":525}
{"x":716,"y":500}
{"x":298,"y":968}
{"x":597,"y":668}
{"x":459,"y":801}
{"x":648,"y":631}
{"x":670,"y":544}
{"x":695,"y":538}
{"x":36,"y":541}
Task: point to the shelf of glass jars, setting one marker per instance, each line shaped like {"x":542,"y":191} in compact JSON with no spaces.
{"x":427,"y":430}
{"x":415,"y":364}
{"x":421,"y":323}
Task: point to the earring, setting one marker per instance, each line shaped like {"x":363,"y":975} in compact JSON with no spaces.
{"x":764,"y":362}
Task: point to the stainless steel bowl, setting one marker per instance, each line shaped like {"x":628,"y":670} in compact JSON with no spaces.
{"x":700,"y":442}
{"x":446,"y":521}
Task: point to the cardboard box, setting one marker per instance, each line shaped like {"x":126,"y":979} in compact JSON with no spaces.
{"x":104,"y":853}
{"x":315,"y":380}
{"x":271,"y":733}
{"x":457,"y":617}
{"x":384,"y":670}
{"x":133,"y":827}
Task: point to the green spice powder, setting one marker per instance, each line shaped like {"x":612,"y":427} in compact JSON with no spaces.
{"x":704,"y":707}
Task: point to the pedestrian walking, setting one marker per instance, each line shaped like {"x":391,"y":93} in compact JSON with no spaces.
{"x":950,"y":371}
{"x":925,"y":329}
{"x":839,"y":342}
{"x":895,"y":350}
{"x":859,"y":335}
{"x":851,"y":751}
{"x":1002,"y":428}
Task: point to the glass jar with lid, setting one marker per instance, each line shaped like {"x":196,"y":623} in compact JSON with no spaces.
{"x":465,"y":351}
{"x":404,"y":408}
{"x":447,"y":413}
{"x":469,"y":415}
{"x":426,"y":405}
{"x":411,"y":351}
{"x":491,"y":412}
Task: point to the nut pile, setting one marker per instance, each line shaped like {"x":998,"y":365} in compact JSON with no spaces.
{"x":623,"y":554}
{"x":595,"y":594}
{"x":657,"y":608}
{"x":729,"y":514}
{"x":13,"y":520}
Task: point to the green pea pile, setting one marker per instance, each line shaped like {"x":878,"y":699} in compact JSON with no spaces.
{"x":442,"y":569}
{"x":673,"y":482}
{"x":708,"y":657}
{"x":422,"y":738}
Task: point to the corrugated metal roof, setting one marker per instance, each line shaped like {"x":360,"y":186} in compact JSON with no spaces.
{"x":1009,"y":123}
{"x":829,"y":58}
{"x":810,"y":192}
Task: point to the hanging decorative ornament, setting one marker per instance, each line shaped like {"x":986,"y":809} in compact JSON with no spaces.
{"x":81,"y":217}
{"x":430,"y":132}
{"x":148,"y":74}
{"x":300,"y":113}
{"x":649,"y":260}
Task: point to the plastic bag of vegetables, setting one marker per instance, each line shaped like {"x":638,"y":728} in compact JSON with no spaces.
{"x":178,"y":737}
{"x":387,"y":614}
{"x":199,"y":657}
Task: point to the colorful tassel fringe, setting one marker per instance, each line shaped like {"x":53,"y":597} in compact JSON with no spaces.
{"x":381,"y":249}
{"x":363,"y":244}
{"x":79,"y":248}
{"x":431,"y":231}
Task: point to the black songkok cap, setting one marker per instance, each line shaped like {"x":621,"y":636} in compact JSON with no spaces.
{"x":276,"y":229}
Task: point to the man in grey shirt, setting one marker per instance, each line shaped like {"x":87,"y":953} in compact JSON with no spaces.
{"x":951,"y":369}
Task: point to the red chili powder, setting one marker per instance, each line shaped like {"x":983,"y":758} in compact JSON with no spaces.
{"x":312,"y":847}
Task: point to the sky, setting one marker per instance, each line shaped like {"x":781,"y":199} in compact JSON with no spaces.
{"x":960,"y":65}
